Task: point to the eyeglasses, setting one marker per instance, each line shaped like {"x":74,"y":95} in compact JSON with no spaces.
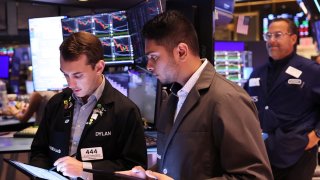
{"x":152,"y":57}
{"x":277,"y":35}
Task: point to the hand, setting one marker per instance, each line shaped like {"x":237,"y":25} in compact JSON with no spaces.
{"x":136,"y":171}
{"x":313,"y":140}
{"x":69,"y":166}
{"x":12,"y":110}
{"x":24,"y":107}
{"x":158,"y":176}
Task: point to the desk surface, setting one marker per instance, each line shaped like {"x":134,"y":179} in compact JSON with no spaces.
{"x":15,"y":145}
{"x":10,"y":124}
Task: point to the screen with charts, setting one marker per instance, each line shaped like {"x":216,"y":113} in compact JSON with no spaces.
{"x":119,"y":31}
{"x":45,"y":39}
{"x":4,"y":68}
{"x":142,"y":88}
{"x":137,"y":17}
{"x":68,"y":26}
{"x":102,"y":25}
{"x":85,"y":23}
{"x":111,"y":29}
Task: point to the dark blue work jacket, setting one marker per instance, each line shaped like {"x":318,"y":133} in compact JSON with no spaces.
{"x":290,"y":110}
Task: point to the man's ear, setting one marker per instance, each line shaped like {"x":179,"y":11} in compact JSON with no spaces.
{"x":183,"y":50}
{"x":100,"y":66}
{"x":294,"y":38}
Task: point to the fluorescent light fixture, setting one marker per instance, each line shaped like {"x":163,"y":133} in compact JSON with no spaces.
{"x":303,"y":7}
{"x":317,"y":4}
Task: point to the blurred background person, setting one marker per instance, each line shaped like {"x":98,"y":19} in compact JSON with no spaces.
{"x":23,"y":109}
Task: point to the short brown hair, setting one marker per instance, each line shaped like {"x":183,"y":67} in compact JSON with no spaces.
{"x":82,"y":43}
{"x":171,"y":28}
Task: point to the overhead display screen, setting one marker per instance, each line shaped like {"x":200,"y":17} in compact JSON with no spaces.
{"x":45,"y":39}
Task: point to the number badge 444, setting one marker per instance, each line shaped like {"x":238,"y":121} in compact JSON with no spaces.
{"x":94,"y":153}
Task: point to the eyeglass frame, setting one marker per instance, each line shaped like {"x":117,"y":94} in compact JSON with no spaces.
{"x":280,"y":35}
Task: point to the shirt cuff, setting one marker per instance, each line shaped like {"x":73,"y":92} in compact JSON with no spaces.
{"x":87,"y":175}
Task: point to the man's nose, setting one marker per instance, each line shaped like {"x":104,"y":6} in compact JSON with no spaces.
{"x":71,"y":83}
{"x":149,"y":66}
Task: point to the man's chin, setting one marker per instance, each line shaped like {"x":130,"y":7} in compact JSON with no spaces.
{"x":78,"y":94}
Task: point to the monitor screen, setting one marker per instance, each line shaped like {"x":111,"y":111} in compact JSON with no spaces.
{"x":142,"y":88}
{"x":229,"y":46}
{"x":111,"y":29}
{"x":4,"y":67}
{"x":45,"y":39}
{"x":225,"y":5}
{"x":299,"y":19}
{"x":137,"y":17}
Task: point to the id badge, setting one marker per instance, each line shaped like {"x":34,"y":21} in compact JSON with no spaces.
{"x":294,"y":72}
{"x":94,"y":153}
{"x":253,"y":82}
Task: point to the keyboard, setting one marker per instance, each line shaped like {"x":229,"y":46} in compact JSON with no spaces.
{"x":151,"y":138}
{"x":28,"y":132}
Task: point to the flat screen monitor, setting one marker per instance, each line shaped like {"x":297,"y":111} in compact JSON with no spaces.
{"x":137,"y":17}
{"x":111,"y":29}
{"x":4,"y":67}
{"x":229,"y":46}
{"x":45,"y":39}
{"x":142,"y":88}
{"x":225,"y":5}
{"x":299,"y":19}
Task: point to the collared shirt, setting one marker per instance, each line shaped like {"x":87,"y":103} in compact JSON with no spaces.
{"x":184,"y":91}
{"x":80,"y":116}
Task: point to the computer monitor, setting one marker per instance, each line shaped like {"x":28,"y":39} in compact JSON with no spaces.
{"x":299,"y":19}
{"x":45,"y":39}
{"x":4,"y":67}
{"x":111,"y":29}
{"x":137,"y":17}
{"x":143,"y":89}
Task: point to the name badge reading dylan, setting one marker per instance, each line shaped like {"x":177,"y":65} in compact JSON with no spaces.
{"x":94,"y":153}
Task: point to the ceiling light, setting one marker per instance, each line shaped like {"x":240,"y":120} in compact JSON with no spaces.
{"x":303,"y":7}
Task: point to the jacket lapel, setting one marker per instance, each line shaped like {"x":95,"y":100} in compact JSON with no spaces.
{"x":96,"y":115}
{"x":68,"y":108}
{"x":263,"y":82}
{"x":169,"y":116}
{"x":192,"y":99}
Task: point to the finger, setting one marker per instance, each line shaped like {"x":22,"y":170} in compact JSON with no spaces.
{"x":151,"y":175}
{"x":59,"y":164}
{"x":138,"y":169}
{"x":60,"y":160}
{"x":65,"y":173}
{"x":124,"y":172}
{"x":59,"y":167}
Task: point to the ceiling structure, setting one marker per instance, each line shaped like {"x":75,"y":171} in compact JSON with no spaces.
{"x":96,"y":4}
